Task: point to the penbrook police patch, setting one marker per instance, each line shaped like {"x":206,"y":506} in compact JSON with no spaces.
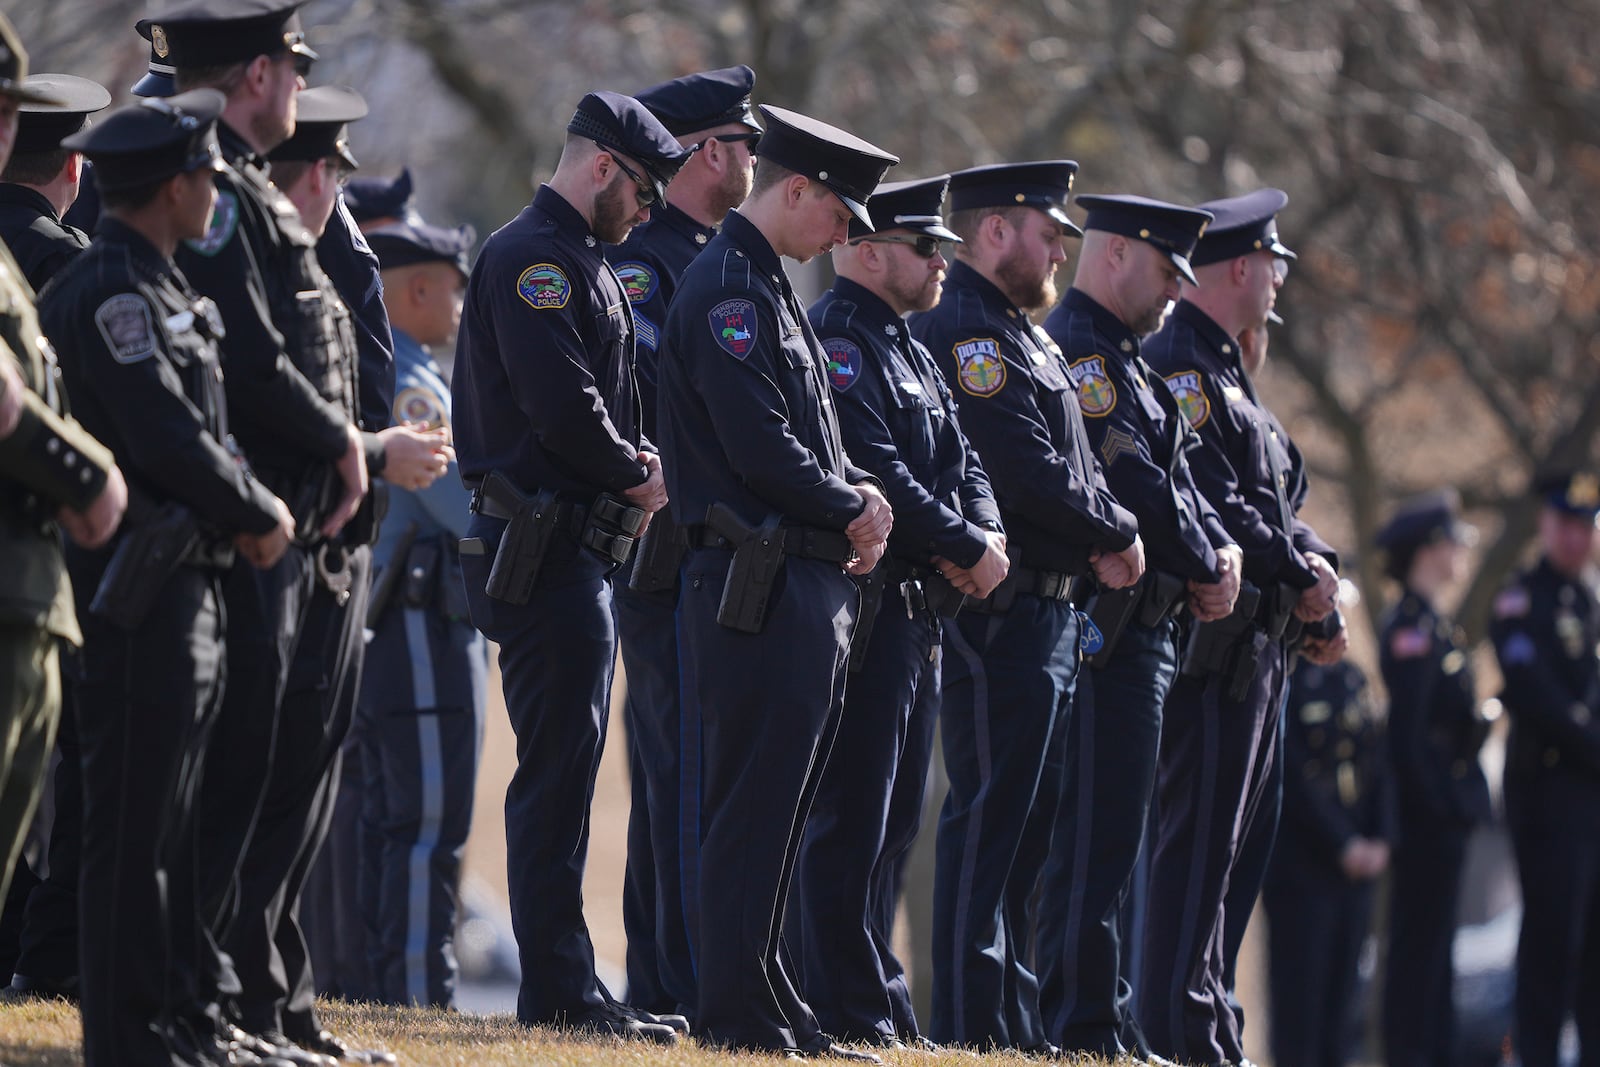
{"x":544,"y":287}
{"x":638,"y":281}
{"x":979,"y":368}
{"x":733,"y":324}
{"x":1191,"y":398}
{"x":224,"y":220}
{"x":422,"y":406}
{"x":125,"y":325}
{"x":844,"y":363}
{"x":1096,"y":393}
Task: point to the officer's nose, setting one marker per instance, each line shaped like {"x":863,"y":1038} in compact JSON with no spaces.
{"x":938,"y":262}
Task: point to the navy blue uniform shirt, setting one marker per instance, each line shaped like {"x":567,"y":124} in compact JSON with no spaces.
{"x":1246,"y":466}
{"x":1546,"y":631}
{"x":899,"y":422}
{"x":1018,"y":408}
{"x":39,"y":241}
{"x":650,"y":262}
{"x":1141,"y":438}
{"x":543,"y":384}
{"x":350,"y":264}
{"x":1337,"y":783}
{"x":744,"y":407}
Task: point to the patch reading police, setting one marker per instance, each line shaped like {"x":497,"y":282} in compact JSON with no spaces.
{"x":544,"y":286}
{"x":1097,"y":395}
{"x":733,"y":324}
{"x":418,"y":405}
{"x":125,"y":323}
{"x":1118,"y":443}
{"x":844,"y":363}
{"x":979,"y":368}
{"x":224,"y":221}
{"x":638,"y":281}
{"x":1191,"y":397}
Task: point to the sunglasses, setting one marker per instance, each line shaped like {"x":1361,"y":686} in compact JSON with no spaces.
{"x":645,"y":192}
{"x":926,"y":247}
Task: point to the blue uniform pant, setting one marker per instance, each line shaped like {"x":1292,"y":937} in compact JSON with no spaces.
{"x":765,"y":708}
{"x":1007,"y":693}
{"x":1109,"y":774}
{"x":556,"y":660}
{"x":1419,"y":1013}
{"x":1211,"y":769}
{"x":846,"y":862}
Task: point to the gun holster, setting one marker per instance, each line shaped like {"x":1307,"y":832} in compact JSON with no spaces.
{"x":149,"y":553}
{"x":524,"y":542}
{"x":758,"y":557}
{"x":1211,"y":644}
{"x":658,"y":556}
{"x":942,"y":598}
{"x":612,"y":528}
{"x":1111,"y":610}
{"x":871,"y":586}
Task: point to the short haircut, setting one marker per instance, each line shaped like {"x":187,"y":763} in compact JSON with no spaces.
{"x":287,"y":173}
{"x":769,"y":174}
{"x":969,"y":220}
{"x":35,"y":168}
{"x":132,"y":198}
{"x":225,"y":79}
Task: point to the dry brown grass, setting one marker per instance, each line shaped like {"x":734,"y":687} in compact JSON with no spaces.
{"x":47,"y":1034}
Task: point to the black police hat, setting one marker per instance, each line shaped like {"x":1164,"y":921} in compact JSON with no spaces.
{"x":1241,"y":225}
{"x":1422,"y":520}
{"x":158,"y":78}
{"x":42,"y":127}
{"x":621,"y":124}
{"x":379,"y":198}
{"x":14,"y":68}
{"x":846,"y":164}
{"x":404,"y":243}
{"x":1571,"y":492}
{"x":319,"y":126}
{"x":909,"y":205}
{"x":1171,"y":228}
{"x":153,"y":140}
{"x":698,"y":102}
{"x":215,"y":33}
{"x":1043,"y":184}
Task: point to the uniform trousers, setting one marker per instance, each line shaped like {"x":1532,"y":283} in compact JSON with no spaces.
{"x":1419,"y":1014}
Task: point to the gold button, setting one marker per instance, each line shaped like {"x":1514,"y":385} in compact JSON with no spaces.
{"x":1144,"y":233}
{"x":1020,"y":198}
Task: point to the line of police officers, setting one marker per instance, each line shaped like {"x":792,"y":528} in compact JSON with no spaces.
{"x":1120,"y":583}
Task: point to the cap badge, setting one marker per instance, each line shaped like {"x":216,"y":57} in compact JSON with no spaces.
{"x":158,"y":41}
{"x":1584,"y":492}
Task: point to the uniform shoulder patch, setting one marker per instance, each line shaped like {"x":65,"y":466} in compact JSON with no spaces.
{"x":638,"y":280}
{"x":1512,"y":602}
{"x":1409,"y":642}
{"x":979,"y":367}
{"x":1191,"y":396}
{"x":733,"y":324}
{"x":418,"y":405}
{"x":224,"y":222}
{"x":1097,"y":394}
{"x":1118,"y":443}
{"x":125,"y":323}
{"x":844,"y":362}
{"x":544,"y":286}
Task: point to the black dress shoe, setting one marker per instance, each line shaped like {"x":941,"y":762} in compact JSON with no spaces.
{"x":331,"y":1046}
{"x":205,"y":1049}
{"x":616,"y":1022}
{"x":24,"y":988}
{"x":680,"y":1023}
{"x":274,"y":1043}
{"x":823,"y":1045}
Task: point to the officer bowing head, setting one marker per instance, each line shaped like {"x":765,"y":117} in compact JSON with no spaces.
{"x":616,"y":164}
{"x":253,"y":51}
{"x":1427,"y":534}
{"x":710,"y":113}
{"x":1239,"y":263}
{"x":1567,"y":521}
{"x":311,"y":164}
{"x":1135,"y":250}
{"x":902,"y":259}
{"x":1012,"y":218}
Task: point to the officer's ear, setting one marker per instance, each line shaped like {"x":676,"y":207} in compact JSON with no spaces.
{"x":795,"y":189}
{"x":995,"y":229}
{"x":72,"y":169}
{"x":258,"y":74}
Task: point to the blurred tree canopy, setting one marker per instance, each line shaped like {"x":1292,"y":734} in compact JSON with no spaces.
{"x":1442,"y":159}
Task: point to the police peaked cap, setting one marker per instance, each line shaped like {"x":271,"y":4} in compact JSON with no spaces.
{"x":621,"y":124}
{"x":1423,"y":520}
{"x":158,"y":76}
{"x":698,"y":102}
{"x":42,"y":127}
{"x":215,"y":33}
{"x":1241,"y":225}
{"x":14,"y":68}
{"x":909,"y":205}
{"x":319,"y":128}
{"x":843,"y":162}
{"x":1571,"y":492}
{"x":401,"y":244}
{"x":379,"y":198}
{"x":1169,"y":227}
{"x":1044,"y":184}
{"x":153,"y":140}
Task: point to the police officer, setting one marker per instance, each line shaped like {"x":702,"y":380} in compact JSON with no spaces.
{"x":898,"y":421}
{"x":1546,"y":631}
{"x":1134,"y":252}
{"x":51,"y":470}
{"x":1435,"y":730}
{"x":378,"y":202}
{"x":1338,"y":820}
{"x":288,"y":390}
{"x":1220,"y":722}
{"x":420,"y":716}
{"x":41,"y":179}
{"x":548,"y":432}
{"x":138,"y":351}
{"x":1013,"y":660}
{"x":776,"y":518}
{"x":709,"y":113}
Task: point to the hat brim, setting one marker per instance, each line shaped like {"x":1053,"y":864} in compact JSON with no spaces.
{"x":1060,"y":215}
{"x":344,"y":153}
{"x":155,"y":86}
{"x":1462,"y":533}
{"x":857,"y":208}
{"x":1278,"y":248}
{"x":21,"y":93}
{"x":1182,"y":263}
{"x":1275,"y":318}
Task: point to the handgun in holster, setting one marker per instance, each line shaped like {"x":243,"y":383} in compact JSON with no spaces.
{"x":388,"y":579}
{"x":1162,"y":598}
{"x":152,"y":548}
{"x":612,"y":528}
{"x":753,"y":574}
{"x":1111,"y":610}
{"x":871,"y":586}
{"x":524,"y":542}
{"x":1244,"y":660}
{"x":658,"y":556}
{"x":420,"y":584}
{"x":942,"y":598}
{"x":1210,"y":643}
{"x":1284,"y":599}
